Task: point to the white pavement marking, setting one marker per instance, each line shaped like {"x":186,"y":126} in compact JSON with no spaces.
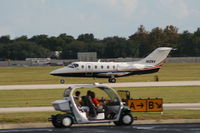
{"x":189,"y":106}
{"x":152,"y":84}
{"x":170,"y":106}
{"x":26,"y":109}
{"x":126,"y":84}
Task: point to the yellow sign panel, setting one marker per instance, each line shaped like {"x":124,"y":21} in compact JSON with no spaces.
{"x":154,"y":105}
{"x":145,"y":105}
{"x":138,"y":105}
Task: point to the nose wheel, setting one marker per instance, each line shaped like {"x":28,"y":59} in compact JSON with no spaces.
{"x":112,"y":80}
{"x":62,"y":81}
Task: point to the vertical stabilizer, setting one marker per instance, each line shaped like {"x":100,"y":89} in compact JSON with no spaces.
{"x":157,"y":56}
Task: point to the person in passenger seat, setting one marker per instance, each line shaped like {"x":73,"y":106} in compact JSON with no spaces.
{"x":94,"y":100}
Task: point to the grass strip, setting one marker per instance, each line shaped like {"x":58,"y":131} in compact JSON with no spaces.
{"x":25,"y":117}
{"x":43,"y":116}
{"x":29,"y":98}
{"x":168,"y":114}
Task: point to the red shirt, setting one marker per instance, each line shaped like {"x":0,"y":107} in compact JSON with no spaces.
{"x":94,"y":100}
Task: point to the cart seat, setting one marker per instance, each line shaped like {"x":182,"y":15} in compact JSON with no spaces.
{"x":87,"y":101}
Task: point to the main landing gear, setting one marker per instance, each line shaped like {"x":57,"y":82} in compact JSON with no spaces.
{"x":112,"y":80}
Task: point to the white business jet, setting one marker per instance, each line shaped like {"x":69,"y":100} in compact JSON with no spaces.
{"x":152,"y":63}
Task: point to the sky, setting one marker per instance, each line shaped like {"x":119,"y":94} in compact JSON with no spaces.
{"x":103,"y":18}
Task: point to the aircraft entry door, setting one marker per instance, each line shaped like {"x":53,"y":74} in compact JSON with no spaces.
{"x":89,"y":70}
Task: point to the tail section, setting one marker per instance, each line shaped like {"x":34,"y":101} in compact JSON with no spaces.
{"x":156,"y":57}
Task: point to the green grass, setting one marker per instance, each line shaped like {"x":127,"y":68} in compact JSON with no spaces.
{"x":25,"y":98}
{"x":40,"y":75}
{"x":168,"y":114}
{"x":178,"y":94}
{"x":36,"y":117}
{"x":28,"y":117}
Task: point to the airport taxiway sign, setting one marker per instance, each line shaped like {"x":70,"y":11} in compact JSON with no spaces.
{"x":154,"y":105}
{"x":146,"y":105}
{"x":138,"y":105}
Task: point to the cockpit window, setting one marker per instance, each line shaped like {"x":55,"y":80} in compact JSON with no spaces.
{"x":70,"y":66}
{"x":74,"y":65}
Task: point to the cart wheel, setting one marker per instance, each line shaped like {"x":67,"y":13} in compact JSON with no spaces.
{"x":56,"y":121}
{"x":112,"y":80}
{"x":126,"y":119}
{"x":67,"y":121}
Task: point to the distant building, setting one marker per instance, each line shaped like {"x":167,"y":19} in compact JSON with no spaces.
{"x":39,"y":61}
{"x":87,"y":56}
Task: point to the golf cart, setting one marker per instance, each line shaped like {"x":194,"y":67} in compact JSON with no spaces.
{"x":110,"y":110}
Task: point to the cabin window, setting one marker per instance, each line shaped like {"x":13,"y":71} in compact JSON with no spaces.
{"x":113,"y":67}
{"x":108,"y":67}
{"x":101,"y":67}
{"x":95,"y":67}
{"x":82,"y":66}
{"x":89,"y":67}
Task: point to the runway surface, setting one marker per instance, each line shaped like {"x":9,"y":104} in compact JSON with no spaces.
{"x":115,"y":85}
{"x":144,"y":128}
{"x":171,"y":106}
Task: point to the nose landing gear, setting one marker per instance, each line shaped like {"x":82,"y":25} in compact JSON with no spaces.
{"x":62,"y":81}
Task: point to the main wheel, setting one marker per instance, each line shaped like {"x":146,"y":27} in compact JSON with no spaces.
{"x":126,"y":119}
{"x":112,"y":80}
{"x":67,"y":121}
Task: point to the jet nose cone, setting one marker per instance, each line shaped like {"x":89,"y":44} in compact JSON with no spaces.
{"x":53,"y":72}
{"x":56,"y":72}
{"x":59,"y":72}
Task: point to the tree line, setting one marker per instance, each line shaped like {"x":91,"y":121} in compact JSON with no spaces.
{"x":139,"y":44}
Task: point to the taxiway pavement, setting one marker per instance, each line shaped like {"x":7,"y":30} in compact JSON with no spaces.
{"x":143,"y":128}
{"x":115,"y":85}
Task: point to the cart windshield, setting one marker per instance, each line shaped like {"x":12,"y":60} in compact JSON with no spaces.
{"x":113,"y":96}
